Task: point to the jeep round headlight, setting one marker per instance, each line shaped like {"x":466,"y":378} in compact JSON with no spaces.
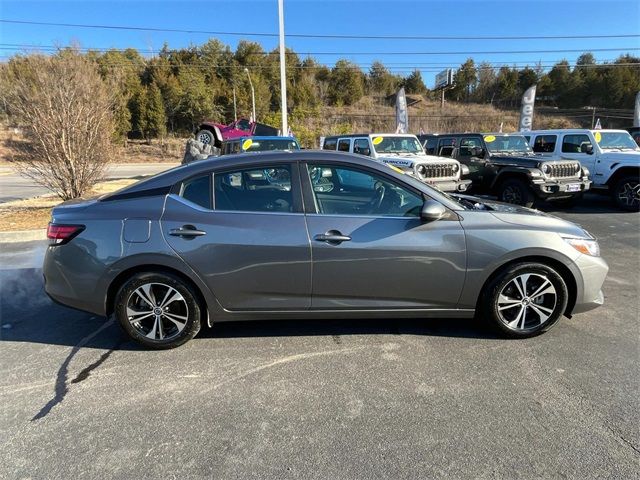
{"x":577,"y":167}
{"x":422,"y":170}
{"x":455,"y":168}
{"x":546,"y":169}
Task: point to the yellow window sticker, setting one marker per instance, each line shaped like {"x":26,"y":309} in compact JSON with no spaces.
{"x":490,"y":138}
{"x":247,"y":143}
{"x":597,"y":136}
{"x":377,"y":140}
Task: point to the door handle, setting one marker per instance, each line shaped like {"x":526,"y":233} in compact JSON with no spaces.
{"x":333,"y":237}
{"x":186,"y":231}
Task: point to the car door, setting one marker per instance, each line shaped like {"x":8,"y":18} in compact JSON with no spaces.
{"x":571,"y":149}
{"x":369,"y":246}
{"x":243,"y":231}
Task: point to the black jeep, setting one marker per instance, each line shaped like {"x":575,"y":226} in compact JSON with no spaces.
{"x":504,"y":165}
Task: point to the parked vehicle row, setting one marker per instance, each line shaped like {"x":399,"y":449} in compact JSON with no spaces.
{"x":505,"y":166}
{"x":312,"y":234}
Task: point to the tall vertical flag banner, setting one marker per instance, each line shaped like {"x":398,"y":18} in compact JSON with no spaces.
{"x":402,"y":115}
{"x":526,"y":109}
{"x":636,"y":112}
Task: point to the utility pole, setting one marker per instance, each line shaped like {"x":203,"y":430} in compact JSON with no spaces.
{"x":253,"y":95}
{"x":283,"y":78}
{"x":235,"y":111}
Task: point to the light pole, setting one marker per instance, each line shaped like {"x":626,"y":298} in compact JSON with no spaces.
{"x":253,"y":95}
{"x":283,"y":78}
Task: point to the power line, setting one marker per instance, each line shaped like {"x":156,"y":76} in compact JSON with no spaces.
{"x":326,"y":36}
{"x":493,"y":52}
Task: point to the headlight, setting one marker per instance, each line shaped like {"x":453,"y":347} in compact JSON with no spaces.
{"x":422,"y":170}
{"x":584,"y":245}
{"x":585,"y":171}
{"x":546,"y":169}
{"x":465,"y":170}
{"x":577,"y":167}
{"x":455,"y":168}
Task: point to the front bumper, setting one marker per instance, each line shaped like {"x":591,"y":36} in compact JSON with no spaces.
{"x":592,"y":273}
{"x":565,"y":188}
{"x":449,"y":185}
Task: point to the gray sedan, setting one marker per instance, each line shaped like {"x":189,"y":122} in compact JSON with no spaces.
{"x":312,"y":234}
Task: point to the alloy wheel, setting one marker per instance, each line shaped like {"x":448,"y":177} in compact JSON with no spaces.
{"x":629,"y":194}
{"x":157,"y":311}
{"x":204,"y":138}
{"x":527,"y":301}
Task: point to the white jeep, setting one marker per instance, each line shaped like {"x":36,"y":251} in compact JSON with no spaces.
{"x":405,"y":152}
{"x":612,"y":157}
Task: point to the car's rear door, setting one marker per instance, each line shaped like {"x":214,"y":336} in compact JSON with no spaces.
{"x":243,"y":231}
{"x":370,"y":248}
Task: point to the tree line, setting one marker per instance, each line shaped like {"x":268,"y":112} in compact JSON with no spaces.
{"x":176,"y":89}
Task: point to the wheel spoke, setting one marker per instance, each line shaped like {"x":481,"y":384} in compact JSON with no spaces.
{"x":505,"y":302}
{"x":520,"y":318}
{"x":546,"y":287}
{"x":144,"y":292}
{"x":178,"y":320}
{"x":175,"y":296}
{"x":137,"y":319}
{"x":152,"y":333}
{"x":522,"y":288}
{"x":543,"y":312}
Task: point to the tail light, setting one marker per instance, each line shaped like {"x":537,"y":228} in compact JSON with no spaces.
{"x":61,"y":234}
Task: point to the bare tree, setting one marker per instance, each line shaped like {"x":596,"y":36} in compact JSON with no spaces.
{"x":65,"y":110}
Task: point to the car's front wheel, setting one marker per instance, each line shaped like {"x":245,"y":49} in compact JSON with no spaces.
{"x":158,"y":310}
{"x":626,"y":193}
{"x":516,"y":191}
{"x":524,"y":300}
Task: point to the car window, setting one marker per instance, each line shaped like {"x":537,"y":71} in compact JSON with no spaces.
{"x":343,"y":144}
{"x":197,"y":190}
{"x":330,"y":144}
{"x":264,"y":189}
{"x":235,"y":147}
{"x":361,"y":146}
{"x":544,"y":143}
{"x":573,"y":143}
{"x":244,"y":125}
{"x":351,"y":191}
{"x":467,"y":144}
{"x":430,"y":146}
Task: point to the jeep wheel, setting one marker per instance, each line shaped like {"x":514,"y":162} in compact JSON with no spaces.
{"x":205,"y":136}
{"x":626,"y":193}
{"x":516,"y":191}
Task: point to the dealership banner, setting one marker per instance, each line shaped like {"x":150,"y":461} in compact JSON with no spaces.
{"x":402,"y":115}
{"x":636,"y":112}
{"x":526,"y":109}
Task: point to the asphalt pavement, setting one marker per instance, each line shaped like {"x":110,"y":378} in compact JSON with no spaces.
{"x":16,"y":187}
{"x":325,"y":399}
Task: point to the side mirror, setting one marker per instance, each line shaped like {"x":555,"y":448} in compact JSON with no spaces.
{"x":432,"y":211}
{"x":366,"y":151}
{"x":586,"y":148}
{"x":477,"y":152}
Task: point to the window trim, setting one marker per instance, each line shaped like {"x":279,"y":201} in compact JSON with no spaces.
{"x":296,"y":190}
{"x":574,"y":135}
{"x":348,"y":139}
{"x":542,"y":135}
{"x":178,"y":188}
{"x":310,"y":204}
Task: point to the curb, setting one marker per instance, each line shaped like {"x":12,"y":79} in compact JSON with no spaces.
{"x":23,"y":236}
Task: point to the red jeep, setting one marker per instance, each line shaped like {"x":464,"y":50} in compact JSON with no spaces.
{"x":214,"y":134}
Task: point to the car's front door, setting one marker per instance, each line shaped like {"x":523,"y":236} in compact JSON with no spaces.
{"x":243,"y":231}
{"x":371,"y":249}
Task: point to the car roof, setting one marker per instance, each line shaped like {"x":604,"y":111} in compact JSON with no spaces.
{"x":353,"y":135}
{"x":467,"y":134}
{"x":577,"y":130}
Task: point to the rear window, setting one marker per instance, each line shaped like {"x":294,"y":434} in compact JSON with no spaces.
{"x":197,"y":190}
{"x":545,"y":143}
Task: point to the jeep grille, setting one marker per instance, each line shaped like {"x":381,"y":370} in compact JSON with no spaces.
{"x":563,"y":170}
{"x":438,"y":170}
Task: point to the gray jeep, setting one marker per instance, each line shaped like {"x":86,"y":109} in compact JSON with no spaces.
{"x":504,"y":165}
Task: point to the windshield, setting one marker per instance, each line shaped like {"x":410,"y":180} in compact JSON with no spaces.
{"x":267,"y":145}
{"x":610,"y":140}
{"x":507,"y":143}
{"x":396,"y":144}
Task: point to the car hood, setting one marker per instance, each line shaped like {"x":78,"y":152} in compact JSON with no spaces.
{"x":410,"y":159}
{"x":521,"y":161}
{"x":622,"y":157}
{"x":528,"y":217}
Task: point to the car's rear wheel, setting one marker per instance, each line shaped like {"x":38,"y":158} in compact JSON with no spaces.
{"x":626,"y":193}
{"x":205,"y":136}
{"x":158,"y":310}
{"x":525,"y":300}
{"x":517,"y":192}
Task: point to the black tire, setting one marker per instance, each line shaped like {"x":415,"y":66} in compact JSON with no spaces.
{"x":496,"y":309}
{"x":568,"y":202}
{"x":206,"y":137}
{"x":517,"y":192}
{"x":626,"y":193}
{"x":169,"y":334}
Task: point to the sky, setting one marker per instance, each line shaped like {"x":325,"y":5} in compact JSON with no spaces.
{"x":346,"y":17}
